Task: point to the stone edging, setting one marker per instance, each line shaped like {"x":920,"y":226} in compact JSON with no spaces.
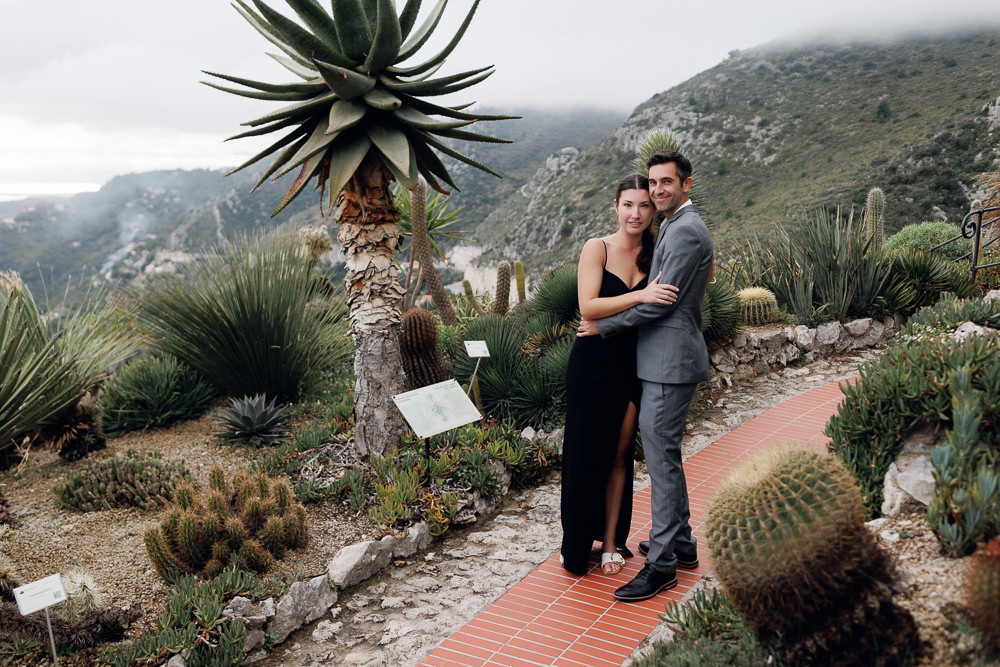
{"x":750,"y":354}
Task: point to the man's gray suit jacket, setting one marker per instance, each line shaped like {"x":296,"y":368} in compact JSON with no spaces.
{"x":671,"y":348}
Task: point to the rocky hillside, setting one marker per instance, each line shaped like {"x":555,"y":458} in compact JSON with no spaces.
{"x":781,"y":130}
{"x":142,"y":223}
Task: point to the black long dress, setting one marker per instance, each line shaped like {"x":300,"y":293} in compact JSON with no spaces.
{"x":600,"y":382}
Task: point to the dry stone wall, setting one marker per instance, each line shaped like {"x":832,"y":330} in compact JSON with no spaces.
{"x":753,"y":353}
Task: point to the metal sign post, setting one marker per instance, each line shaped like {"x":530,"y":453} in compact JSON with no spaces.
{"x":42,"y":594}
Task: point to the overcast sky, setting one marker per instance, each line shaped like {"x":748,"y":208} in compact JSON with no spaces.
{"x":89,"y":90}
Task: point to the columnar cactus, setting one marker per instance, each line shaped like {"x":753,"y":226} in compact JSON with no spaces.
{"x":471,"y":296}
{"x":519,"y":274}
{"x":254,"y":519}
{"x":502,"y":300}
{"x":420,"y":237}
{"x":418,"y":343}
{"x":757,"y":305}
{"x":874,"y":211}
{"x":787,"y":535}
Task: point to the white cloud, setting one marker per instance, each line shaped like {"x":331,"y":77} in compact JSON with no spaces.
{"x":108,"y":86}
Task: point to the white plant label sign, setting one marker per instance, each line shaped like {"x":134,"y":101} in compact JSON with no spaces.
{"x":40,"y":594}
{"x":436,"y":408}
{"x":476,"y":349}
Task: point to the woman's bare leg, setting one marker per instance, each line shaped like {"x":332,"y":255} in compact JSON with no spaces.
{"x":616,"y":483}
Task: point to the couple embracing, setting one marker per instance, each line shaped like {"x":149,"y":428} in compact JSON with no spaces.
{"x":638,"y":357}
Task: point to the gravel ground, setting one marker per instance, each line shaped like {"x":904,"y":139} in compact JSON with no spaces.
{"x":108,"y":545}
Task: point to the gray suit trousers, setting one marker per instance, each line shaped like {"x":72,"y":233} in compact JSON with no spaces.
{"x":661,"y":423}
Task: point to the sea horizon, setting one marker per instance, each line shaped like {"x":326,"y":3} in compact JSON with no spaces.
{"x":19,"y":191}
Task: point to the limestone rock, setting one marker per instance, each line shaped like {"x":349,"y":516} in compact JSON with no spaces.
{"x":967,"y":329}
{"x":357,"y":562}
{"x":304,"y":602}
{"x":417,"y":538}
{"x":859,"y":327}
{"x":805,"y":337}
{"x":918,"y":480}
{"x":895,"y":500}
{"x":828,"y":335}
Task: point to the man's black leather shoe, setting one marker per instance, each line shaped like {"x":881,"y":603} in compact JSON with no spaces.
{"x":646,"y":584}
{"x":685,"y":561}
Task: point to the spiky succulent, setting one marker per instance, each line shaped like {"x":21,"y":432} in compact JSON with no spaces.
{"x":355,"y":93}
{"x":252,"y":420}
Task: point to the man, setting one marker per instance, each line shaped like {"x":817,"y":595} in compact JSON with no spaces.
{"x":671,"y":360}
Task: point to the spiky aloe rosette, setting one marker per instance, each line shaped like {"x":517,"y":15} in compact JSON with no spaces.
{"x":355,"y":93}
{"x":787,"y":535}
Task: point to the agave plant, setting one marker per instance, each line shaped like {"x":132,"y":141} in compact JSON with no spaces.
{"x":253,"y":420}
{"x":359,"y":119}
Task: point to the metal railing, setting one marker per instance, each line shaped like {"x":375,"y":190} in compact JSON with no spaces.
{"x":972,"y":228}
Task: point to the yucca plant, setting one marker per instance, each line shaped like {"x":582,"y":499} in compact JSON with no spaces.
{"x":46,"y":368}
{"x":358,"y":119}
{"x":244,"y":317}
{"x":556,"y":294}
{"x":253,"y":420}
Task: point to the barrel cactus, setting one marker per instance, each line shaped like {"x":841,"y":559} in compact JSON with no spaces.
{"x":787,"y":534}
{"x":418,"y":343}
{"x":758,"y":306}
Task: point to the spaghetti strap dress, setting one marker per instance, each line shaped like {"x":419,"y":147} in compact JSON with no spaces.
{"x":600,"y":383}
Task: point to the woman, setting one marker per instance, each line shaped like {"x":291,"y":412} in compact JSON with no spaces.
{"x":602,"y":388}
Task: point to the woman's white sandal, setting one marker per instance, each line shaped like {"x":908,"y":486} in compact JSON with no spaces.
{"x":614,"y":558}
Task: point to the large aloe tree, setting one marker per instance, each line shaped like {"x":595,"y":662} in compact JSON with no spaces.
{"x":357,"y":120}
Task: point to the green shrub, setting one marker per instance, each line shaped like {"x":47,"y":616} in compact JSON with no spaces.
{"x":556,"y":294}
{"x":247,"y":319}
{"x":409,"y":486}
{"x":908,"y":387}
{"x":154,"y":391}
{"x":926,"y":235}
{"x":925,"y":276}
{"x":965,"y":509}
{"x":193,"y":624}
{"x":131,"y":480}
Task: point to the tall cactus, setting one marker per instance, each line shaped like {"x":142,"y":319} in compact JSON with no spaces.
{"x":502,"y":301}
{"x":422,"y":244}
{"x":519,"y":275}
{"x":471,"y":296}
{"x":418,"y":343}
{"x":787,"y":535}
{"x":874,"y":212}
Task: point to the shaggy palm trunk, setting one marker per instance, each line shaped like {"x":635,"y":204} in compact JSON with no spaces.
{"x":369,"y":238}
{"x":422,"y":244}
